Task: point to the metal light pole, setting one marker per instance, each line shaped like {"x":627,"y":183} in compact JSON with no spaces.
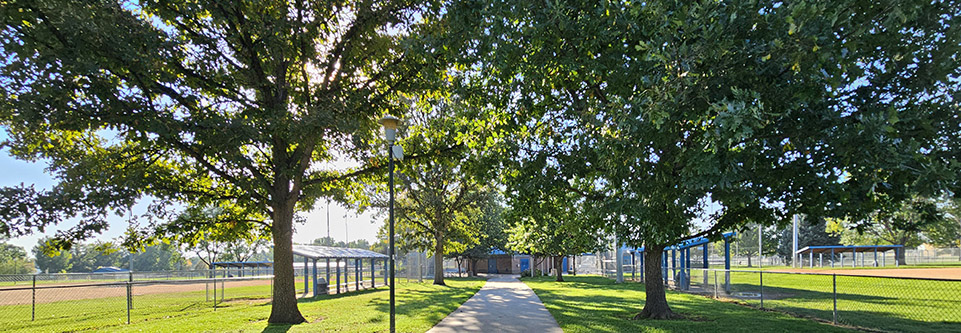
{"x":794,"y":238}
{"x":390,"y":132}
{"x":328,"y":222}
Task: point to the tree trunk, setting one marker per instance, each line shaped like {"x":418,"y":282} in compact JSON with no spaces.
{"x":558,"y":261}
{"x":748,"y":260}
{"x":655,"y":305}
{"x":283,"y":308}
{"x":472,"y":264}
{"x":439,"y":259}
{"x":901,"y":257}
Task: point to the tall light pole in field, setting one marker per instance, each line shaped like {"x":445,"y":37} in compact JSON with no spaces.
{"x":328,"y":222}
{"x":759,"y":245}
{"x":390,"y":124}
{"x":794,"y":238}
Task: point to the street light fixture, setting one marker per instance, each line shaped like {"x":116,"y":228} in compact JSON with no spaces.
{"x":390,"y":124}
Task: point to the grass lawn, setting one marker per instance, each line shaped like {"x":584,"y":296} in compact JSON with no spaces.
{"x":597,"y":304}
{"x":419,"y":307}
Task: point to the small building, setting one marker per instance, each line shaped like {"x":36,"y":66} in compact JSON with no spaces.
{"x":499,"y":262}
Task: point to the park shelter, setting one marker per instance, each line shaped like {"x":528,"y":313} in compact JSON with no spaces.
{"x":835,"y":251}
{"x":244,"y":268}
{"x":682,"y":274}
{"x":313,"y":253}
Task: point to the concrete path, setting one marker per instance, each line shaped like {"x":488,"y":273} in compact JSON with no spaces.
{"x":505,"y":304}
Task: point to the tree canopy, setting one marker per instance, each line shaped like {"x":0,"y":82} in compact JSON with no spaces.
{"x":657,"y":121}
{"x":665,"y":113}
{"x":237,"y":105}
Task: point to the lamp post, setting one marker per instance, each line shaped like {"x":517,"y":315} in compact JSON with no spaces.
{"x":390,"y":133}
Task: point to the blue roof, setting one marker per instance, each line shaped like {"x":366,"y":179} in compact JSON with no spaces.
{"x":848,"y":248}
{"x":693,"y":242}
{"x":321,"y":252}
{"x":110,"y":269}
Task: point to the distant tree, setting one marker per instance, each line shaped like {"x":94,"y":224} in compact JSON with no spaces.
{"x":325,"y":241}
{"x":492,"y":233}
{"x":812,"y":231}
{"x":208,"y":251}
{"x":160,"y":257}
{"x":359,"y":244}
{"x":13,"y":260}
{"x":49,"y":259}
{"x":900,"y":223}
{"x":947,"y":231}
{"x":354,"y":244}
{"x":380,"y":246}
{"x":90,"y":256}
{"x":746,"y":242}
{"x":243,"y":250}
{"x":551,"y":225}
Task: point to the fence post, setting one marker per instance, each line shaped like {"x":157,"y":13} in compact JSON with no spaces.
{"x":834,"y":279}
{"x":130,"y":291}
{"x":715,"y":284}
{"x":128,"y":302}
{"x":33,"y":302}
{"x":761,"y":275}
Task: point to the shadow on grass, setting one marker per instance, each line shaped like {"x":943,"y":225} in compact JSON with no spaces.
{"x":597,"y":304}
{"x":277,"y":328}
{"x":341,"y":295}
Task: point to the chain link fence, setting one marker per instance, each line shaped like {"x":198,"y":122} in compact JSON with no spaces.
{"x":890,"y":304}
{"x":74,"y":302}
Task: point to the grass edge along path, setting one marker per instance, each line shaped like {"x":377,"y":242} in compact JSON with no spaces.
{"x":419,"y":307}
{"x":597,"y":304}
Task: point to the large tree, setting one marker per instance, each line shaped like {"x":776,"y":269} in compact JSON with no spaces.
{"x":439,"y":201}
{"x":662,"y":113}
{"x":492,"y":232}
{"x":551,"y":224}
{"x":231,"y":104}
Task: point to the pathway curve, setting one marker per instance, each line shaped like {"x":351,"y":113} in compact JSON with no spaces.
{"x":504,"y":304}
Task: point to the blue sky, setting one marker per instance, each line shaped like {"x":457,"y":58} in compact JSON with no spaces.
{"x":343,"y":222}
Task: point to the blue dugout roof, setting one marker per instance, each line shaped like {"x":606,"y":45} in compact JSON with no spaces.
{"x":110,"y":269}
{"x":848,"y":248}
{"x":691,"y":242}
{"x":322,"y":252}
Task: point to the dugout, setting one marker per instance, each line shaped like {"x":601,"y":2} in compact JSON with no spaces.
{"x":243,"y":268}
{"x":836,"y":254}
{"x":676,"y":262}
{"x":343,"y":259}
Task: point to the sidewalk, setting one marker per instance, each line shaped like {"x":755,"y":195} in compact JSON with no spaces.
{"x":505,"y":304}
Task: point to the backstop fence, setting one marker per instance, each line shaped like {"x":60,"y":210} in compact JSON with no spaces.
{"x":892,"y":304}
